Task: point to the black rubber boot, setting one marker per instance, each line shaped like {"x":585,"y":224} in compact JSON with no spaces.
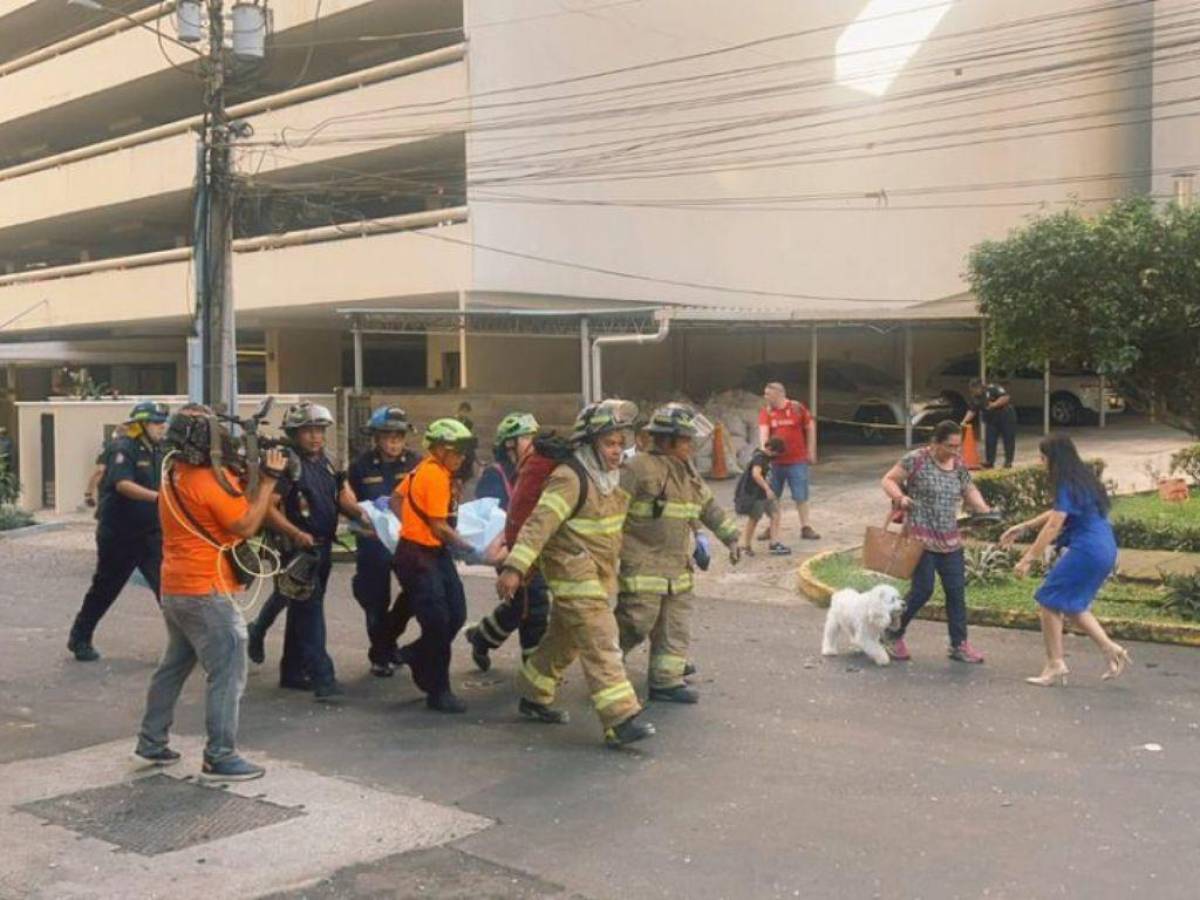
{"x":479,"y":650}
{"x":83,"y":650}
{"x":540,"y":712}
{"x":679,"y":694}
{"x":446,"y":702}
{"x":628,"y":732}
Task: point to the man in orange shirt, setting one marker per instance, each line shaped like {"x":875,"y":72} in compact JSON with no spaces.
{"x":204,"y":624}
{"x":425,"y":503}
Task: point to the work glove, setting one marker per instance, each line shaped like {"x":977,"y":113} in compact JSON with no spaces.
{"x":383,"y":504}
{"x":701,"y":554}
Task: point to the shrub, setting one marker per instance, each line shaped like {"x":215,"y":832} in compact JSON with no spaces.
{"x":10,"y":487}
{"x":1187,"y":461}
{"x":1183,"y":595}
{"x":1152,"y":534}
{"x":987,"y":564}
{"x":11,"y":517}
{"x":1022,"y":492}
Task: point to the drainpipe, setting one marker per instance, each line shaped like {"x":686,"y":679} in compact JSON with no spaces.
{"x":664,"y":328}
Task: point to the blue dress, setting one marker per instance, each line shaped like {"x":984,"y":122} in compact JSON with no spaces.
{"x":1090,"y":553}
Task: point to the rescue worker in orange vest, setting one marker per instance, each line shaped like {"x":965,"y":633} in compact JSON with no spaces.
{"x":574,"y":536}
{"x":668,"y":499}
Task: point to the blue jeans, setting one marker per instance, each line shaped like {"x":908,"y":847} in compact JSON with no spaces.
{"x":304,"y":651}
{"x":794,"y":475}
{"x":210,"y":629}
{"x":950,"y":569}
{"x":435,"y":596}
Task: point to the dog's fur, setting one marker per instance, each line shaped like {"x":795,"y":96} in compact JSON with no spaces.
{"x":861,"y":618}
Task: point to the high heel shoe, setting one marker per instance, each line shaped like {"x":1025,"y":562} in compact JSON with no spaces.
{"x":1048,"y":678}
{"x":1117,"y":663}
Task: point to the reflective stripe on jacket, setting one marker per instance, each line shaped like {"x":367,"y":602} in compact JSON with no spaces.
{"x":577,"y":556}
{"x":668,"y":497}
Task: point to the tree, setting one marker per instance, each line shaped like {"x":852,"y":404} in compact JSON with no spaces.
{"x":1118,"y":294}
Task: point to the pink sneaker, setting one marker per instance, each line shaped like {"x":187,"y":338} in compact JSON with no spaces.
{"x":964,"y":652}
{"x":898,"y":650}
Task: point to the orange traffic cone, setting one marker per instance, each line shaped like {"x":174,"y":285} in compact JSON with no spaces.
{"x":970,"y":448}
{"x":720,"y":469}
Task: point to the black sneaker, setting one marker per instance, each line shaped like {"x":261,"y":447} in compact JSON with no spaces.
{"x":778,"y":549}
{"x":479,"y":650}
{"x":296,"y":684}
{"x":678,"y":694}
{"x":446,"y":702}
{"x":628,"y":732}
{"x":233,"y":768}
{"x":689,"y":669}
{"x":540,"y":712}
{"x":382,"y":670}
{"x":329,"y":692}
{"x":156,"y":756}
{"x":83,"y":650}
{"x":254,"y":646}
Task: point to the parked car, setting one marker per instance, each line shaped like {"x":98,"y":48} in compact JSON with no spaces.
{"x":852,"y":392}
{"x":1074,"y":396}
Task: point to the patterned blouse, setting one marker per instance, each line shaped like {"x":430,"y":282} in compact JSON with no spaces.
{"x":936,"y":495}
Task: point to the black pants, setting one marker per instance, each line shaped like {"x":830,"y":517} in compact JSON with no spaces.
{"x":435,"y":596}
{"x":386,"y":618}
{"x":1004,"y":426}
{"x":526,"y":613}
{"x":304,"y":653}
{"x":949,"y":567}
{"x":116,"y":557}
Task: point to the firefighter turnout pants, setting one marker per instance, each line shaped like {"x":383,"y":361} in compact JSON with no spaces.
{"x":583,"y":628}
{"x":667,"y":620}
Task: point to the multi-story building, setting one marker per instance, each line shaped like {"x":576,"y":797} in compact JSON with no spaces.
{"x":779,"y":163}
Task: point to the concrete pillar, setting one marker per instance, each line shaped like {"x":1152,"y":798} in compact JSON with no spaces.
{"x":813,"y":393}
{"x":300,"y":361}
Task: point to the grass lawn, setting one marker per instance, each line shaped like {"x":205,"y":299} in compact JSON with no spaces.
{"x":1149,"y":508}
{"x":1117,"y":600}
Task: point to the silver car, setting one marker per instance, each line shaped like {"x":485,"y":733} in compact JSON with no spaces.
{"x":852,"y":392}
{"x":1074,"y":396}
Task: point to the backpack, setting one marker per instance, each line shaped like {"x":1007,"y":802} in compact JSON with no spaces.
{"x":549,"y":452}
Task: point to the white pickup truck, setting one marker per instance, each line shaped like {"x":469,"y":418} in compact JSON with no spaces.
{"x":1074,"y":396}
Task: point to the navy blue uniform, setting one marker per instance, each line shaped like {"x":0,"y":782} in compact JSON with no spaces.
{"x":371,"y":477}
{"x":311,"y":504}
{"x":128,"y":534}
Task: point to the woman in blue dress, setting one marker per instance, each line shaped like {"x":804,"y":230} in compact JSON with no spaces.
{"x":1078,"y":525}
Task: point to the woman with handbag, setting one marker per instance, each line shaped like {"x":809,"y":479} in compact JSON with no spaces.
{"x":927,"y":485}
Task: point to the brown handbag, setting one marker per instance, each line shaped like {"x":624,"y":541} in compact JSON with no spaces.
{"x":892,"y":553}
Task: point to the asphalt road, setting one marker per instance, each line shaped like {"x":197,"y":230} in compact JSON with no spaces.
{"x":795,"y":776}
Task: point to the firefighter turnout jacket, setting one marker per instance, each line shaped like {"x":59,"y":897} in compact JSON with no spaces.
{"x":667,"y":496}
{"x":577,"y":553}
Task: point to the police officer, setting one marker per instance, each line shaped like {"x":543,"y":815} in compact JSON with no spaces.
{"x":373,"y":478}
{"x":128,"y":536}
{"x":307,"y":517}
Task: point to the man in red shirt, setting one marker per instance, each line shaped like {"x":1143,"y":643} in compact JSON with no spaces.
{"x":791,"y":422}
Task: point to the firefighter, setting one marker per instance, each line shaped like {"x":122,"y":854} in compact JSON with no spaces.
{"x":425,"y":501}
{"x":373,"y":478}
{"x":668,"y":500}
{"x":527,"y":613}
{"x":128,"y":534}
{"x":307,"y":518}
{"x":574,"y":536}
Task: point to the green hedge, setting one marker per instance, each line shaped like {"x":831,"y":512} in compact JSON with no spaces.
{"x":1147,"y":523}
{"x":1021,"y":492}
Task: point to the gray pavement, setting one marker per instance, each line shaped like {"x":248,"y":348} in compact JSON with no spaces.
{"x":796,"y":776}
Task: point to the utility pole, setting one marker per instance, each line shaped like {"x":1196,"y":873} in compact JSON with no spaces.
{"x":214,"y":314}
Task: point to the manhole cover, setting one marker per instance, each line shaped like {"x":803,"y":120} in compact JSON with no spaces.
{"x":158,"y":814}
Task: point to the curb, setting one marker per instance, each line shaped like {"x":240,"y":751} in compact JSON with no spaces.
{"x":37,"y":528}
{"x":818,"y":593}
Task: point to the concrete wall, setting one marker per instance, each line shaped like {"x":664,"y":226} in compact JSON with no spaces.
{"x":1176,"y":139}
{"x":620,"y":150}
{"x":518,"y":364}
{"x":299,"y":361}
{"x":79,"y":430}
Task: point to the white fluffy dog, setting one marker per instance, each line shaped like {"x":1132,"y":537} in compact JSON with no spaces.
{"x":861,"y":618}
